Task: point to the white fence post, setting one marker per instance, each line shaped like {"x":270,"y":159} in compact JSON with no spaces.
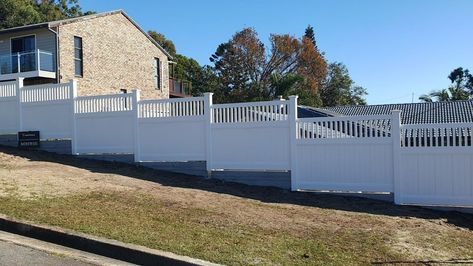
{"x":19,"y":85}
{"x":293,"y":138}
{"x":72,"y":98}
{"x":208,"y":102}
{"x":396,"y":137}
{"x":136,"y":141}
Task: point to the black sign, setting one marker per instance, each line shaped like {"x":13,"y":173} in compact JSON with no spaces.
{"x":28,"y":139}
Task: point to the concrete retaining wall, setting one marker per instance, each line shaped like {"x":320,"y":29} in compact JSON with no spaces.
{"x":56,"y":146}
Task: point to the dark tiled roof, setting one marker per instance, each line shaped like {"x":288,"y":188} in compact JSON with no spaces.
{"x":411,"y":113}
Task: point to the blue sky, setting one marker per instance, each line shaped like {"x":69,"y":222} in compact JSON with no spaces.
{"x":392,"y":48}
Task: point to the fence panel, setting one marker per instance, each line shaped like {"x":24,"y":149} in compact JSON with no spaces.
{"x":104,"y":124}
{"x":344,"y":154}
{"x":437,"y":164}
{"x":9,"y":113}
{"x":171,"y":130}
{"x":250,"y":136}
{"x":48,"y":109}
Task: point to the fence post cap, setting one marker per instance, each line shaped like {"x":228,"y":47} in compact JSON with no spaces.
{"x":293,"y":96}
{"x":208,"y":93}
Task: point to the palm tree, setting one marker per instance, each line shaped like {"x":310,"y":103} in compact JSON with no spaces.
{"x":446,"y":95}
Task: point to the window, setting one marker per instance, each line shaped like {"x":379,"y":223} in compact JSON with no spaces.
{"x":78,"y":60}
{"x":157,"y":73}
{"x":23,"y":45}
{"x":23,"y":48}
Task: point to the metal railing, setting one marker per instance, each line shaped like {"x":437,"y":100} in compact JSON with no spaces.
{"x":26,"y":62}
{"x":180,"y":87}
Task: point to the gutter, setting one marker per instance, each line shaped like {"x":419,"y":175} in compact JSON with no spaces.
{"x":56,"y":33}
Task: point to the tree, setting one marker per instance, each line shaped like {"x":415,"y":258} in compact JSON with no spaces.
{"x":461,"y":80}
{"x":310,"y":34}
{"x":339,"y":88}
{"x":239,"y":64}
{"x":15,"y":13}
{"x":461,"y":88}
{"x":168,"y":45}
{"x":247,"y":72}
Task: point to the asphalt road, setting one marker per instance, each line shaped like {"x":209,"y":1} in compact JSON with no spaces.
{"x":13,"y":254}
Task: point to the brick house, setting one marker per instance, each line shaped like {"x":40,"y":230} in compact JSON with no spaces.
{"x":106,"y":52}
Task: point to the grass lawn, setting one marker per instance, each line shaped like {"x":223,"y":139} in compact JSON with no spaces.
{"x":224,"y":222}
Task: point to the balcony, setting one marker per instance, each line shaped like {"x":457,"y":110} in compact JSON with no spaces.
{"x":32,"y":64}
{"x":179,"y":88}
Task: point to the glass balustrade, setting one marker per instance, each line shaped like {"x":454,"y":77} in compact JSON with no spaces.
{"x":26,"y":62}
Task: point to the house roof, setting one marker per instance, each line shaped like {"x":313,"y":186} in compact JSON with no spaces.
{"x":411,"y":113}
{"x":57,"y":23}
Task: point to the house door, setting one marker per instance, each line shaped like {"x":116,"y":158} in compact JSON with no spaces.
{"x":24,"y":48}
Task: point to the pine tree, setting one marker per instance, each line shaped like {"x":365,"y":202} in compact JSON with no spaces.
{"x":310,"y":34}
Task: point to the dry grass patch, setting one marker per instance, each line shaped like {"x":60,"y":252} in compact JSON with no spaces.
{"x":224,"y":222}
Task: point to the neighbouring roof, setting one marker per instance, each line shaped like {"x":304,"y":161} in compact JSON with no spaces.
{"x":52,"y":24}
{"x":411,"y":113}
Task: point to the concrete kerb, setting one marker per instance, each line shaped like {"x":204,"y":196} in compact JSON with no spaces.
{"x":96,"y":245}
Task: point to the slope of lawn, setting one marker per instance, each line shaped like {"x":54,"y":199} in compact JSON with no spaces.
{"x":224,"y":222}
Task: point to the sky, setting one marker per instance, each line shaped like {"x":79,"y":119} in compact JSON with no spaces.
{"x":396,"y":49}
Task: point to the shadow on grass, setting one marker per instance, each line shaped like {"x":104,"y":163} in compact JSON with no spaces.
{"x":263,"y":194}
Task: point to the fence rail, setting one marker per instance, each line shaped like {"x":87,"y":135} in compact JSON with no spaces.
{"x":437,"y":135}
{"x":7,"y":89}
{"x":171,"y":108}
{"x":344,"y":127}
{"x":250,"y":112}
{"x":104,"y":103}
{"x":44,"y":93}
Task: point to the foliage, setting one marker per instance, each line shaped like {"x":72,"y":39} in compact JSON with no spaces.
{"x":168,"y":45}
{"x":248,"y":73}
{"x":310,"y":34}
{"x":339,"y":88}
{"x":15,"y":13}
{"x":461,"y":88}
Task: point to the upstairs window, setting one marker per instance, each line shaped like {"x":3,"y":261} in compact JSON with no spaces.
{"x":78,"y":57}
{"x":157,"y":73}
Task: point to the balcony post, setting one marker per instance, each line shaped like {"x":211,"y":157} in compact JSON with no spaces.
{"x":18,"y":62}
{"x":37,"y":60}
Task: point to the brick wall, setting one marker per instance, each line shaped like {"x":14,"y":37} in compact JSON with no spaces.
{"x":116,"y":55}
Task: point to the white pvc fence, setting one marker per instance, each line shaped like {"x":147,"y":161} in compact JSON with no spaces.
{"x":436,"y":165}
{"x":172,"y":130}
{"x":344,"y":154}
{"x":421,"y":164}
{"x":9,"y":108}
{"x":104,"y":124}
{"x":250,"y":136}
{"x":47,"y":108}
